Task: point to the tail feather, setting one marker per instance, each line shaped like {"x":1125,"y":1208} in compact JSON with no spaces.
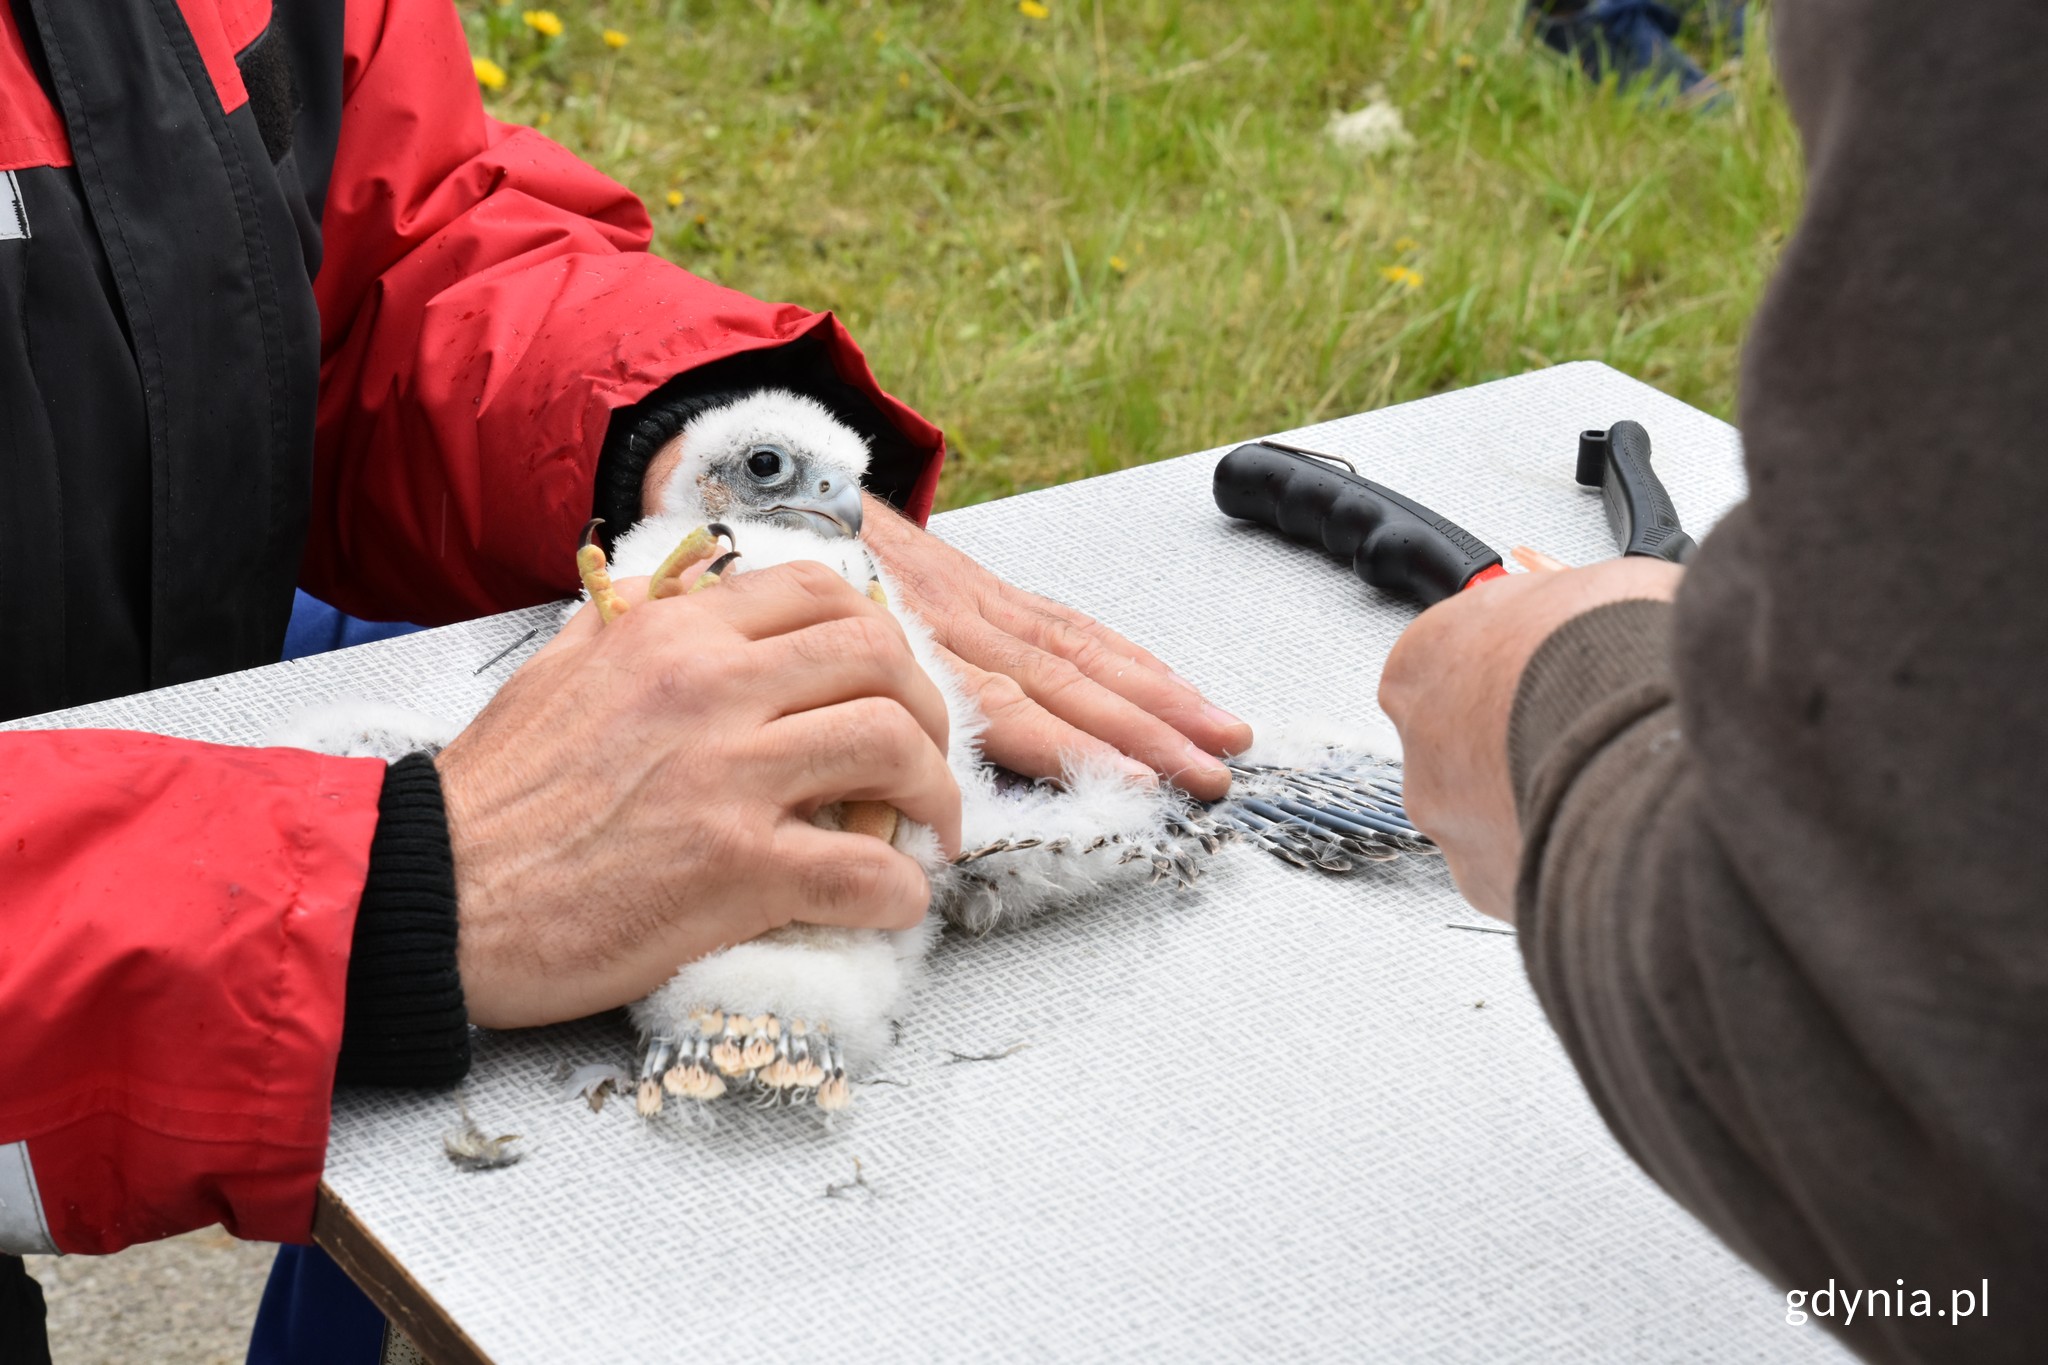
{"x":1326,"y":817}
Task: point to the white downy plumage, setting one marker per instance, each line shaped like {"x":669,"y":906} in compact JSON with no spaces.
{"x":793,"y":1016}
{"x":854,"y":982}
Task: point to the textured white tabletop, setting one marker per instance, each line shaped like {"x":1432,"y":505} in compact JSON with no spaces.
{"x":1280,"y":1117}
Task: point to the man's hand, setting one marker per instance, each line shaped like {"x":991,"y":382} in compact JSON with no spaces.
{"x":640,"y":795}
{"x":1449,"y":687}
{"x":1051,"y":681}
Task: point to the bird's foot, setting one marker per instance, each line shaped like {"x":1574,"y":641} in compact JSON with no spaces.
{"x":699,"y":544}
{"x":719,"y":1052}
{"x":595,"y":570}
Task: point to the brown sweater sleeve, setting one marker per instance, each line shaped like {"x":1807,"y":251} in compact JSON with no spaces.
{"x":1785,"y":891}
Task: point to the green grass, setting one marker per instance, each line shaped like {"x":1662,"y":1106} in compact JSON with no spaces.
{"x":1119,"y":233}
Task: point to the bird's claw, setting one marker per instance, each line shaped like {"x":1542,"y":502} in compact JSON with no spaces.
{"x":667,"y":580}
{"x":595,"y":570}
{"x":719,"y":1052}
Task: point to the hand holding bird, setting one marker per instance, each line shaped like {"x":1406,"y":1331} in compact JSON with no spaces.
{"x":1054,"y":684}
{"x":640,"y":795}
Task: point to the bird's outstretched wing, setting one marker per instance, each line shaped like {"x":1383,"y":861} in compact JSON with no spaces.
{"x":1329,"y":818}
{"x":1037,"y":846}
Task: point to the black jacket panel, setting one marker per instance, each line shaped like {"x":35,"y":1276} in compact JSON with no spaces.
{"x":157,"y":529}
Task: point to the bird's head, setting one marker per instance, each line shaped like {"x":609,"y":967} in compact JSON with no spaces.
{"x":772,"y":456}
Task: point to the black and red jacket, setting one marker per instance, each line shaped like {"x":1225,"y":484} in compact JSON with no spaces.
{"x":282,"y":305}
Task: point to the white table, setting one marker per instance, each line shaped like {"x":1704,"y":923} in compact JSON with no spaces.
{"x":1397,"y":1164}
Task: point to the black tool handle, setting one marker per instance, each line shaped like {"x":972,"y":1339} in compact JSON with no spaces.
{"x":1617,"y":462}
{"x":1389,"y":541}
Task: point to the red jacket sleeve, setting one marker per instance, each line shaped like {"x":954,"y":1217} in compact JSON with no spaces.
{"x":486,"y":301}
{"x":175,"y":922}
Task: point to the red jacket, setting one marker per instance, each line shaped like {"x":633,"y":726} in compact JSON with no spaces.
{"x":175,"y":918}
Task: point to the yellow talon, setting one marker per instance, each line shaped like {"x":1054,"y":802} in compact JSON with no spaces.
{"x":592,"y":567}
{"x":667,"y":580}
{"x":876,"y":594}
{"x":718,"y":566}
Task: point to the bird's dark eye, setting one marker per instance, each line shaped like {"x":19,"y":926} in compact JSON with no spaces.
{"x":765,"y":464}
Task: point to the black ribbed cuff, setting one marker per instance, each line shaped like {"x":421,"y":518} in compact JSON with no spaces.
{"x":405,"y":1023}
{"x":804,"y":366}
{"x":637,"y":434}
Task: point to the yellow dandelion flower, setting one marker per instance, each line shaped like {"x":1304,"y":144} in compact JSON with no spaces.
{"x":675,"y":199}
{"x":1467,"y":62}
{"x":615,"y":40}
{"x":1405,"y":244}
{"x":903,"y":79}
{"x":547,"y":116}
{"x":1402,"y":275}
{"x":544,"y":21}
{"x":1119,"y":264}
{"x":1031,"y":9}
{"x":489,"y":74}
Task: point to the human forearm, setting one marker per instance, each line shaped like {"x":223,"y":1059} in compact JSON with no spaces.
{"x":174,"y":930}
{"x":1741,"y":1067}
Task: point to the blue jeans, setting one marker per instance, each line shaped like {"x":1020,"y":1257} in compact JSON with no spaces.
{"x":316,"y":628}
{"x":312,"y":1314}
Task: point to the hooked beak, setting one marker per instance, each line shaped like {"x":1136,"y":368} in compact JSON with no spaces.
{"x":831,"y":506}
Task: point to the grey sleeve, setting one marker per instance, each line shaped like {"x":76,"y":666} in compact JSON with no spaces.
{"x":1785,"y":894}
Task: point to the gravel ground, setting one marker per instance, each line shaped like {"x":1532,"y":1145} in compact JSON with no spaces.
{"x":185,"y":1301}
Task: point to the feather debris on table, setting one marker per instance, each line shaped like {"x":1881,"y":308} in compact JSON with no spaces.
{"x":592,"y":1081}
{"x":469,"y":1148}
{"x":766,"y":478}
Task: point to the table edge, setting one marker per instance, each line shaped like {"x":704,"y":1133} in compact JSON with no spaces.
{"x":401,"y":1298}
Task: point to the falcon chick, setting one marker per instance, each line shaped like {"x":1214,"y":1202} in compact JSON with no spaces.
{"x":794,"y":1016}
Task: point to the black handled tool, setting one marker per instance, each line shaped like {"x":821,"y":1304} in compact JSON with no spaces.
{"x":1389,"y":541}
{"x":1617,"y":462}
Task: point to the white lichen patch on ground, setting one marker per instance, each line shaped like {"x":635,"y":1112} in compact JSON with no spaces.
{"x":1376,"y":130}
